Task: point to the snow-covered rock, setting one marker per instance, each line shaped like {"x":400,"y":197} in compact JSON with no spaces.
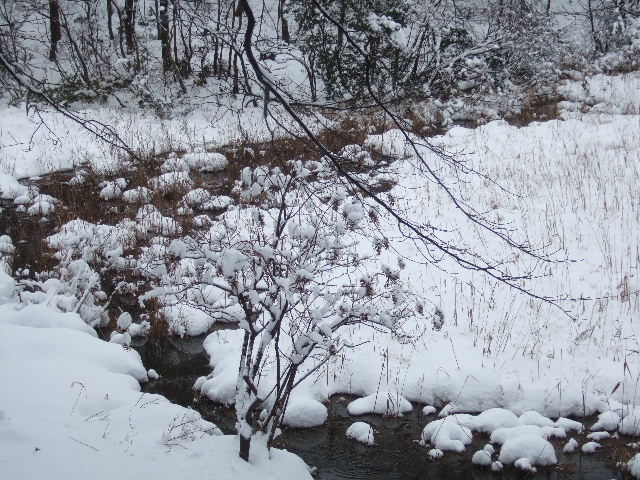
{"x":493,"y":419}
{"x":447,"y":434}
{"x":383,"y":402}
{"x":536,"y":449}
{"x":590,"y":447}
{"x":570,"y":446}
{"x":633,"y":465}
{"x":482,"y":458}
{"x":362,"y":432}
{"x":607,"y":421}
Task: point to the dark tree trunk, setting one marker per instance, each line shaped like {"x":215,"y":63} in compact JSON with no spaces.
{"x":286,"y":36}
{"x":109,"y":21}
{"x":54,"y":25}
{"x":245,"y":447}
{"x":130,"y":25}
{"x":165,"y":39}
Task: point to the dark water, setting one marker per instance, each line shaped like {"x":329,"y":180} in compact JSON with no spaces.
{"x":396,"y":455}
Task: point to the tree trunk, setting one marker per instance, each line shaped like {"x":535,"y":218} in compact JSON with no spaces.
{"x":130,"y":25}
{"x":165,"y":39}
{"x":109,"y":21}
{"x":54,"y":25}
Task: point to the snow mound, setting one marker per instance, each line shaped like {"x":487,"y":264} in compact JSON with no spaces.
{"x":630,"y":424}
{"x":447,"y":434}
{"x":570,"y":446}
{"x":633,"y":466}
{"x":590,"y":447}
{"x":172,"y":182}
{"x":534,"y":418}
{"x":10,"y":188}
{"x":429,"y":410}
{"x":532,"y":447}
{"x":502,"y":435}
{"x":137,"y":195}
{"x":383,"y":402}
{"x":362,"y":432}
{"x":304,"y":412}
{"x":206,"y":161}
{"x":493,"y":419}
{"x":598,"y":436}
{"x":150,"y":219}
{"x":482,"y":458}
{"x":607,"y":421}
{"x":7,"y":287}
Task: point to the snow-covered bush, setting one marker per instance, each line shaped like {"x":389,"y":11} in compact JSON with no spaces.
{"x":284,"y":262}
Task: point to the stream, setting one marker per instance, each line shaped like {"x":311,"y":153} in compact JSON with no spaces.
{"x":396,"y":455}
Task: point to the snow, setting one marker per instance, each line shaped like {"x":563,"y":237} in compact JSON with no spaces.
{"x":88,"y":409}
{"x":517,"y":361}
{"x":362,"y":432}
{"x":383,"y":402}
{"x":435,"y":453}
{"x":482,"y":458}
{"x":570,"y":446}
{"x":493,"y":419}
{"x":535,"y":449}
{"x":429,"y":410}
{"x":607,"y":421}
{"x":633,"y":465}
{"x":590,"y":447}
{"x":598,"y":436}
{"x":447,"y":434}
{"x":304,"y":413}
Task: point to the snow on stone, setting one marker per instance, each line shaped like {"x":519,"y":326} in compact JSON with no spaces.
{"x":496,"y":466}
{"x":110,"y":191}
{"x":217,"y":203}
{"x":139,"y":329}
{"x":502,"y":435}
{"x":630,"y":424}
{"x":607,"y":421}
{"x":570,"y":446}
{"x":633,"y":465}
{"x":124,"y":320}
{"x":175,"y":164}
{"x":150,"y":219}
{"x":10,"y":188}
{"x":525,"y":464}
{"x":435,"y":453}
{"x":7,"y":286}
{"x":383,"y":402}
{"x":569,"y":425}
{"x":493,"y":419}
{"x":123,"y":339}
{"x":137,"y":195}
{"x":195,"y":198}
{"x":362,"y":432}
{"x":172,"y":182}
{"x":538,"y":450}
{"x":590,"y":447}
{"x":447,"y":434}
{"x":205,"y":161}
{"x":304,"y":412}
{"x":482,"y":458}
{"x":429,"y":410}
{"x":152,"y":374}
{"x":534,"y":418}
{"x":186,"y":320}
{"x":42,"y":205}
{"x":598,"y":436}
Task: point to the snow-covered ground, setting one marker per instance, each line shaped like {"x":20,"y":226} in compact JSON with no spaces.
{"x":568,"y":186}
{"x":71,"y":406}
